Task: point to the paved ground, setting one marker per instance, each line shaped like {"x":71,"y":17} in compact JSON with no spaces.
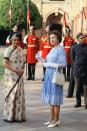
{"x":71,"y":119}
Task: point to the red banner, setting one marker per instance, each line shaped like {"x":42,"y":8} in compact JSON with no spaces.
{"x":28,"y":15}
{"x":64,"y":19}
{"x":84,"y":12}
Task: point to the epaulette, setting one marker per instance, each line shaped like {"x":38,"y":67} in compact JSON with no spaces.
{"x":44,"y":39}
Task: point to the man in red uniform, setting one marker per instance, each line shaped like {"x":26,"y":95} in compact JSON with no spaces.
{"x":85,"y":41}
{"x":68,"y":42}
{"x":45,"y":46}
{"x":32,"y":49}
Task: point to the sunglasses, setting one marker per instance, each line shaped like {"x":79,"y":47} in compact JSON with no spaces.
{"x":82,"y":37}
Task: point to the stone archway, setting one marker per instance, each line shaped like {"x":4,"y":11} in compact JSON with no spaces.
{"x":54,"y":18}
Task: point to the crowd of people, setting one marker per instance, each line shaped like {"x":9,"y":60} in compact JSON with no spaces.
{"x":70,"y":57}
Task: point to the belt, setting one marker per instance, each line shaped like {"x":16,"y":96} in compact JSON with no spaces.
{"x":47,"y":47}
{"x":67,"y":46}
{"x":32,"y":45}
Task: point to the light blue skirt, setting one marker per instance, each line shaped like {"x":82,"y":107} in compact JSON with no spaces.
{"x":51,"y":94}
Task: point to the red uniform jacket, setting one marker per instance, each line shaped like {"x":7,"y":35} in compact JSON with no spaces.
{"x":33,"y":47}
{"x":68,"y":42}
{"x":45,"y":46}
{"x":85,"y":41}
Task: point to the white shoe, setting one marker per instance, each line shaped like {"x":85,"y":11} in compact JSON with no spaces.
{"x":57,"y":124}
{"x":48,"y":122}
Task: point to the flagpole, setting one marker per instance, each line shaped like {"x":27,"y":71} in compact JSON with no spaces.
{"x":82,"y":21}
{"x":28,"y":2}
{"x":27,"y":13}
{"x":10,"y":13}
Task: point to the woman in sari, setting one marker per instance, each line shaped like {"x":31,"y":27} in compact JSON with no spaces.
{"x":14,"y":59}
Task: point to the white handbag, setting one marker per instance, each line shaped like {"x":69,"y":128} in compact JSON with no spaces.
{"x":58,"y":78}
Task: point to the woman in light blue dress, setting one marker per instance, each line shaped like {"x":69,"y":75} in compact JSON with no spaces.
{"x":53,"y":94}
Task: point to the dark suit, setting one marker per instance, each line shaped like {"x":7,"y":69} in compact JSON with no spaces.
{"x":71,"y":84}
{"x":79,"y":59}
{"x":72,"y":80}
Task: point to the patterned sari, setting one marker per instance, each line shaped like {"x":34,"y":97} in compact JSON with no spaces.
{"x":14,"y":109}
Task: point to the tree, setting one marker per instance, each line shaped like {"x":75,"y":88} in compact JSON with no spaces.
{"x":18,"y":13}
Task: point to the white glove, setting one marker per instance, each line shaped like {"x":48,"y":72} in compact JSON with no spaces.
{"x":39,"y":58}
{"x":52,"y":65}
{"x":40,"y":53}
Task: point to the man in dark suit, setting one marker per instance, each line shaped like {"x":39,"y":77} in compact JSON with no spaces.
{"x":79,"y":59}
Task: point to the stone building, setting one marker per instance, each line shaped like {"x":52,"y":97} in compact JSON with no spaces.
{"x":75,"y":12}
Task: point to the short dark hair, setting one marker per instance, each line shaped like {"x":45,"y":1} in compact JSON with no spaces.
{"x":17,"y":34}
{"x":57,"y":33}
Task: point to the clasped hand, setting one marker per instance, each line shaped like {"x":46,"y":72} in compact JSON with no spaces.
{"x":20,"y":72}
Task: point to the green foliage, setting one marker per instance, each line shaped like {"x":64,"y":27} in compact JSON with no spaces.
{"x":19,"y":13}
{"x":4,"y":20}
{"x":36,"y":18}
